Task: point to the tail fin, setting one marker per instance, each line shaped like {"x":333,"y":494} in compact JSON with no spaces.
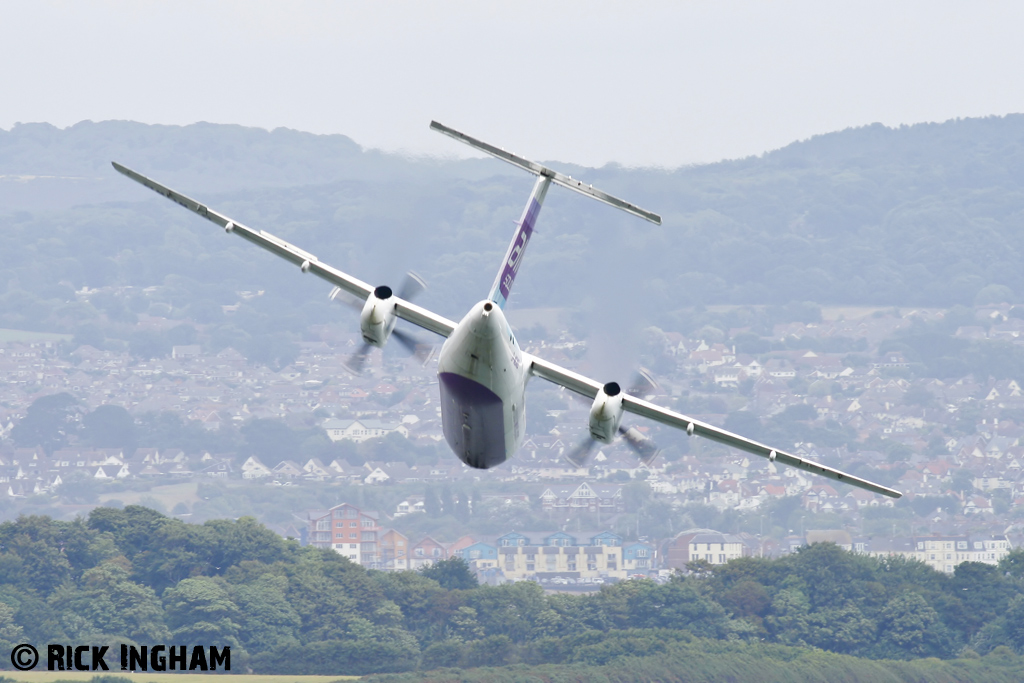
{"x":514,"y":255}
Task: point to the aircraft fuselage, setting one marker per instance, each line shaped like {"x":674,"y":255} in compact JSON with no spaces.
{"x":482,"y":374}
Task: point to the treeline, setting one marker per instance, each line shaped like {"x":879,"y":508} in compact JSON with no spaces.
{"x":681,"y":659}
{"x":135,"y":576}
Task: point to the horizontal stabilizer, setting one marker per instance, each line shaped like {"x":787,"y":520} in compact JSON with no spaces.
{"x":555,"y":176}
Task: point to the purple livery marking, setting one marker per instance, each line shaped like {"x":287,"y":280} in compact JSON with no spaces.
{"x":514,"y":256}
{"x":473,"y":421}
{"x":519,"y":242}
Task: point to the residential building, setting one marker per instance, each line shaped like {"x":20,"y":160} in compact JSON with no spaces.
{"x":394,"y":550}
{"x":351,"y":532}
{"x":577,"y":556}
{"x":941,"y":553}
{"x":361,"y":429}
{"x":426,"y":552}
{"x":711,"y":546}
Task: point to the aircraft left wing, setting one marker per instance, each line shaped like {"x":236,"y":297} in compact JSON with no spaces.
{"x":589,"y":388}
{"x":307,"y":263}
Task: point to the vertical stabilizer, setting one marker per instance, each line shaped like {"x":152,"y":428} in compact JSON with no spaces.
{"x":524,"y":232}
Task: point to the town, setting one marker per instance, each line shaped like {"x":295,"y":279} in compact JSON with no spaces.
{"x":854,"y":388}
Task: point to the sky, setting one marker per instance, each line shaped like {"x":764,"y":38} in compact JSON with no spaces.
{"x":636,"y":83}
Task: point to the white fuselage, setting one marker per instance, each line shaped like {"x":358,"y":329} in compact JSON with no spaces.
{"x":482,"y":374}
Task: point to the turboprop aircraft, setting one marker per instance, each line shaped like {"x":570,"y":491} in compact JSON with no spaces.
{"x":482,"y":372}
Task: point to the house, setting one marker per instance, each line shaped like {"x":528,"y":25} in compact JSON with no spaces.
{"x":637,"y":558}
{"x":252,"y":468}
{"x":390,"y":472}
{"x":587,"y":497}
{"x":361,"y":429}
{"x":480,"y":556}
{"x":287,"y":469}
{"x":409,"y":506}
{"x":426,"y":552}
{"x":711,"y":546}
{"x":394,"y":550}
{"x":315,"y":469}
{"x":838,"y":536}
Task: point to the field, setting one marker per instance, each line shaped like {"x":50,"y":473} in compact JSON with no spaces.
{"x":51,"y":676}
{"x":168,"y":496}
{"x":26,"y":336}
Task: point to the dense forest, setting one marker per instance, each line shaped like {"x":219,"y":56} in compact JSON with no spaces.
{"x":925,"y":215}
{"x":133,"y":575}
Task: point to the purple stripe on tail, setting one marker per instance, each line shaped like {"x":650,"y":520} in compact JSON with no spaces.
{"x":514,"y":256}
{"x":519,"y":242}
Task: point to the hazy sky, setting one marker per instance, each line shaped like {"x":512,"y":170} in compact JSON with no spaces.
{"x":641,"y":83}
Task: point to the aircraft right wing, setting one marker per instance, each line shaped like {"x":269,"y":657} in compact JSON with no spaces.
{"x":306,"y":262}
{"x":589,"y":388}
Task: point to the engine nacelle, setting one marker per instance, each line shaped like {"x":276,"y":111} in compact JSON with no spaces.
{"x":377,"y":319}
{"x":606,"y":413}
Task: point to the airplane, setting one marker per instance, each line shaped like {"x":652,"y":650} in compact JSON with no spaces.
{"x":482,"y":371}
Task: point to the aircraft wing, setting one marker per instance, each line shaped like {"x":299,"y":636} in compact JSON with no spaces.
{"x":306,"y":262}
{"x":589,"y":388}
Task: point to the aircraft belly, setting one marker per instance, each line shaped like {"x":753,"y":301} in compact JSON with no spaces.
{"x":482,"y":381}
{"x":473,"y":417}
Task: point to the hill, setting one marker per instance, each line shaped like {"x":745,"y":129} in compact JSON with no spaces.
{"x":924,"y":215}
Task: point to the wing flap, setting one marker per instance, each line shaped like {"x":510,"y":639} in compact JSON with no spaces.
{"x":589,"y":388}
{"x":565,"y":378}
{"x":300,"y":257}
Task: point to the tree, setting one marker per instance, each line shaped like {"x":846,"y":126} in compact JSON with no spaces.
{"x":109,"y":427}
{"x":270,"y":440}
{"x":432,"y":503}
{"x":114,"y":606}
{"x":963,"y":480}
{"x":984,"y":593}
{"x":47,"y":423}
{"x":275,"y":350}
{"x":32,"y":554}
{"x":415,"y":596}
{"x":145,"y":344}
{"x":451,"y":574}
{"x":268,"y":619}
{"x":909,"y":629}
{"x":200,"y":610}
{"x":447,"y":500}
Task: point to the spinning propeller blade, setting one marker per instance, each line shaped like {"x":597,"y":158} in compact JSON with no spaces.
{"x":641,"y":444}
{"x":644,"y":447}
{"x":412,"y":286}
{"x":581,"y":454}
{"x":357,"y":360}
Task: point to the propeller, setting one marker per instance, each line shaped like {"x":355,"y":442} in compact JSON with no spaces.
{"x":412,"y":286}
{"x":639,"y":443}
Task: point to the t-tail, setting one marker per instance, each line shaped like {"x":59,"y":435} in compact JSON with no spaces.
{"x":524,"y":228}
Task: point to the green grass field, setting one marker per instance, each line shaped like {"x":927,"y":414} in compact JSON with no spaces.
{"x":26,"y":336}
{"x":50,"y":676}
